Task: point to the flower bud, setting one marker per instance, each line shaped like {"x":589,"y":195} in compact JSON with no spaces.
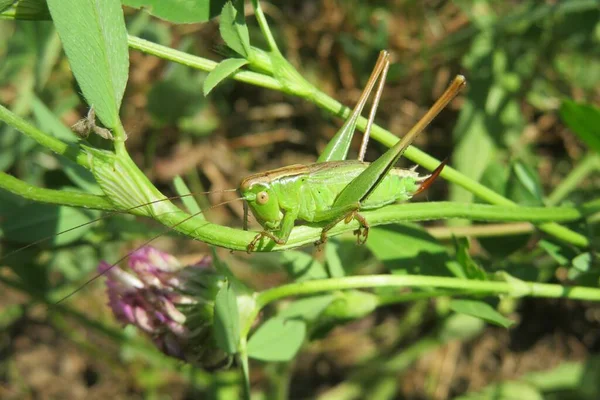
{"x":171,"y":303}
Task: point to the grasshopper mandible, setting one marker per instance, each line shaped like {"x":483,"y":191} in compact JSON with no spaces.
{"x":333,"y":190}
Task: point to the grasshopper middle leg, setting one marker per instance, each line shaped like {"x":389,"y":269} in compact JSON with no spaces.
{"x":346,"y":214}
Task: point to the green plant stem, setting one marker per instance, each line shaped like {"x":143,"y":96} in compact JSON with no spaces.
{"x":167,"y":53}
{"x":395,"y":298}
{"x":120,"y":137}
{"x":378,"y":133}
{"x":264,"y":27}
{"x":61,"y":197}
{"x":243,"y":358}
{"x":72,"y":152}
{"x":236,"y":239}
{"x":492,"y":288}
{"x":488,"y":230}
{"x":590,"y":163}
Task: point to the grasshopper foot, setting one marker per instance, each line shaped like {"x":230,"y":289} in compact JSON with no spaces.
{"x":362,"y":233}
{"x":322,"y":240}
{"x":250,"y":248}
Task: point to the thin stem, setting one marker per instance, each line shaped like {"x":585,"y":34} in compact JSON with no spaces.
{"x":236,"y":239}
{"x":264,"y":26}
{"x":534,"y":289}
{"x":72,"y":152}
{"x":120,"y":137}
{"x":590,"y":163}
{"x":488,"y":230}
{"x":61,"y":197}
{"x":396,"y":298}
{"x":378,"y":133}
{"x":243,"y":358}
{"x":167,"y":53}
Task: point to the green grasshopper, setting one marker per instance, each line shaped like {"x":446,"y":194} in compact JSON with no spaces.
{"x":333,"y":190}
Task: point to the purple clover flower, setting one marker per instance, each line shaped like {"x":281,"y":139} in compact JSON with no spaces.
{"x":170,"y":302}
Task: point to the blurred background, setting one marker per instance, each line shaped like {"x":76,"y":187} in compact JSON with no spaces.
{"x":522,"y":59}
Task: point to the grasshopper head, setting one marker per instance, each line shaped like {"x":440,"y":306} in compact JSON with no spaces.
{"x":264,"y":204}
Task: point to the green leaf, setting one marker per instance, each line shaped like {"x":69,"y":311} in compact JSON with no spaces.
{"x":227,"y":320}
{"x":335,"y":266}
{"x":176,"y":96}
{"x":524,"y":186}
{"x":555,"y":251}
{"x":4,"y":4}
{"x":583,"y":120}
{"x":33,"y":10}
{"x":582,"y":264}
{"x":223,"y":70}
{"x":471,"y":269}
{"x":302,"y":267}
{"x":496,"y":177}
{"x":509,"y":390}
{"x":179,"y":11}
{"x":234,"y":30}
{"x":36,"y":221}
{"x":78,"y":174}
{"x":50,"y":122}
{"x":409,"y":249}
{"x":307,"y":309}
{"x":94,"y":37}
{"x":352,"y":304}
{"x":278,"y":339}
{"x":480,"y":310}
{"x":491,"y":114}
{"x":189,"y":201}
{"x":460,"y":327}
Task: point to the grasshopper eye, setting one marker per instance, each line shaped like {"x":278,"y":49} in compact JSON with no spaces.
{"x":262,"y":198}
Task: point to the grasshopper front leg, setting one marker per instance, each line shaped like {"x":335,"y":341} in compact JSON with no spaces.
{"x":281,"y":235}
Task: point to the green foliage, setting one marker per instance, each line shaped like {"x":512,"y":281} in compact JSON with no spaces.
{"x":34,"y":10}
{"x":409,"y":249}
{"x":227,"y":320}
{"x":94,"y":37}
{"x":480,"y":310}
{"x":32,"y":222}
{"x":179,"y":11}
{"x":278,"y":339}
{"x":308,"y":309}
{"x":234,"y":30}
{"x":222,"y":71}
{"x":583,"y":119}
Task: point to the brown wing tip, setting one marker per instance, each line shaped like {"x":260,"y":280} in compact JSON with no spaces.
{"x":427,"y":182}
